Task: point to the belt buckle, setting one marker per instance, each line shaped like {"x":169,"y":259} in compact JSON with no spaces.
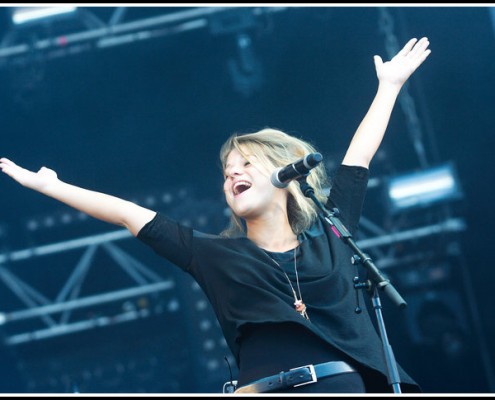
{"x":311,"y":371}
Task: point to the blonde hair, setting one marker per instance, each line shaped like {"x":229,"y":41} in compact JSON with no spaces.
{"x":274,"y":149}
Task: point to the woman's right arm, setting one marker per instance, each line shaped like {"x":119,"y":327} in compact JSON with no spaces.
{"x":104,"y":207}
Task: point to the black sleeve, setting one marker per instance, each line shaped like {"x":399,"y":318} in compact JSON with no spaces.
{"x":347,"y":194}
{"x":169,"y":239}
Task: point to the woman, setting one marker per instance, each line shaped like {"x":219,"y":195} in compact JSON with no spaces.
{"x":279,"y":281}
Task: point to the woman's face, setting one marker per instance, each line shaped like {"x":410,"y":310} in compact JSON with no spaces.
{"x":248,"y":189}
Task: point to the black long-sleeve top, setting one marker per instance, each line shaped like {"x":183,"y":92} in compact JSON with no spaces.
{"x":247,"y":290}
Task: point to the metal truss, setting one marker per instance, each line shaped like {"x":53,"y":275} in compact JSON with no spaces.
{"x":98,"y":34}
{"x":40,"y":307}
{"x":448,"y":225}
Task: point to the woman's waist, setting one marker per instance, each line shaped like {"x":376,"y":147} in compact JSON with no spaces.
{"x":267,"y":349}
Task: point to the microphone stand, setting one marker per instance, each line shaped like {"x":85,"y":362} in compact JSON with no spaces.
{"x":376,"y":281}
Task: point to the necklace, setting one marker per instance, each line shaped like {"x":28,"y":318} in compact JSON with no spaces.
{"x":298,"y":302}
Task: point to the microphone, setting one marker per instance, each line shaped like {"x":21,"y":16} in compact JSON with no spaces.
{"x":281,"y":177}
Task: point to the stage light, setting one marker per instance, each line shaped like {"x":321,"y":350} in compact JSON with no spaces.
{"x":423,"y":188}
{"x":24,"y":15}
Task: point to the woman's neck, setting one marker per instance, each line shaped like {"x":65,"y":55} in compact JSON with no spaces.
{"x":272,"y":236}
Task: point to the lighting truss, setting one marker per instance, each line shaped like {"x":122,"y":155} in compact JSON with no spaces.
{"x":115,"y":32}
{"x":68,"y":300}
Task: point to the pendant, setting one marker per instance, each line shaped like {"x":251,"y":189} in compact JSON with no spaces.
{"x":300,"y":308}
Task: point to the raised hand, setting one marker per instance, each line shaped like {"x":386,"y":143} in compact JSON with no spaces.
{"x":34,"y":180}
{"x":391,"y":75}
{"x":404,"y":63}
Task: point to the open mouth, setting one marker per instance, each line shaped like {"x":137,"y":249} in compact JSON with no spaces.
{"x":240,"y":187}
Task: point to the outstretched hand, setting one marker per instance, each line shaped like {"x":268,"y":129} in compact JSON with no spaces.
{"x":33,"y":180}
{"x":404,"y":63}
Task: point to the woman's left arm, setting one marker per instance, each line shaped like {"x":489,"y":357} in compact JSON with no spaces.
{"x":391,"y":77}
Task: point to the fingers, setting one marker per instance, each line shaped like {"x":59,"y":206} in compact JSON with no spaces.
{"x":414,"y":52}
{"x":420,"y":48}
{"x":415,"y":49}
{"x":420,"y":51}
{"x":407,"y":48}
{"x":11,"y":168}
{"x":378,"y":61}
{"x":6,"y":161}
{"x":5,"y":164}
{"x":422,"y":57}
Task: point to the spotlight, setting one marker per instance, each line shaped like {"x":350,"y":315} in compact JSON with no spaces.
{"x":423,"y":188}
{"x":24,"y":15}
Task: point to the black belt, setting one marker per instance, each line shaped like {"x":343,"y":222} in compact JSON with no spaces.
{"x":296,"y":377}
